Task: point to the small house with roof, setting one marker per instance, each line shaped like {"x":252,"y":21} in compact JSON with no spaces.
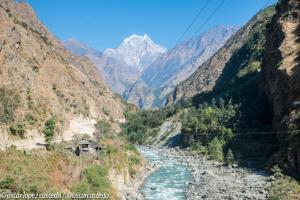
{"x":87,"y":147}
{"x":84,"y":145}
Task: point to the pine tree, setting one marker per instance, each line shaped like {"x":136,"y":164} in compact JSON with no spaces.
{"x":230,"y":157}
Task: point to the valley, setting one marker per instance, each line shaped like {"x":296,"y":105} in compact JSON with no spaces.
{"x":216,"y":116}
{"x":143,"y":72}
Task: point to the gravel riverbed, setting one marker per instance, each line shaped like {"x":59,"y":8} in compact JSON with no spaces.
{"x":214,"y":181}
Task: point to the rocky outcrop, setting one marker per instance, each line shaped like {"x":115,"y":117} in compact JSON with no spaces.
{"x":140,"y":95}
{"x":205,"y":77}
{"x":39,"y":78}
{"x":282,"y":78}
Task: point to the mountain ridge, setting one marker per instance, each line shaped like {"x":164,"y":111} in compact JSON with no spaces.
{"x":205,"y":77}
{"x":46,"y":80}
{"x":177,"y":64}
{"x":127,"y":66}
{"x":78,"y":48}
{"x":117,"y":74}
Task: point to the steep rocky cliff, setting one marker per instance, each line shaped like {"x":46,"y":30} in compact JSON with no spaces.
{"x":140,"y":95}
{"x":205,"y":77}
{"x":282,"y":78}
{"x":40,"y":79}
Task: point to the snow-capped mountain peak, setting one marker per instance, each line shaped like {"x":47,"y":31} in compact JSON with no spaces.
{"x":135,"y":37}
{"x":137,"y":51}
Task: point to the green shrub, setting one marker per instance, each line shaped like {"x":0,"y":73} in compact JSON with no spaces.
{"x":105,"y":111}
{"x":18,"y":129}
{"x":111,"y":150}
{"x":276,"y":171}
{"x":104,"y":127}
{"x":215,"y":149}
{"x":97,"y":177}
{"x":49,"y":130}
{"x":81,"y":187}
{"x":7,"y":183}
{"x":133,"y":160}
{"x":249,"y":69}
{"x":131,"y":147}
{"x":9,"y":102}
{"x":285,"y":188}
{"x":30,"y":119}
{"x":197,"y":146}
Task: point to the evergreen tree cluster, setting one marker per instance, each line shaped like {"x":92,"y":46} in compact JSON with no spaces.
{"x":143,"y":124}
{"x":210,"y":128}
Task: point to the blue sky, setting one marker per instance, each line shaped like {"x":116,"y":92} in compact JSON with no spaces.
{"x":105,"y":23}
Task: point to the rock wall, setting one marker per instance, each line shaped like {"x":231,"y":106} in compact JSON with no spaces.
{"x":282,"y":79}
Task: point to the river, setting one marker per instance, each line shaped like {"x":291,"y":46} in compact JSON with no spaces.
{"x":169,"y":182}
{"x":208,"y":179}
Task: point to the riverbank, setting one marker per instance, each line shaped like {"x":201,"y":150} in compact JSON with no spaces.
{"x":212,"y":180}
{"x":170,"y":179}
{"x":132,"y":190}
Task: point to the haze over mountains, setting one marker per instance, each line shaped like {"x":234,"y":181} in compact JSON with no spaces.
{"x":144,"y":72}
{"x":121,"y":66}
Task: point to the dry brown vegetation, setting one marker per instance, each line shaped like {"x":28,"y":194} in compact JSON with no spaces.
{"x":61,"y":171}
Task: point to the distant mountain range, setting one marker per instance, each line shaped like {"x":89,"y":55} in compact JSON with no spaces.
{"x":143,"y":72}
{"x":122,"y":66}
{"x":175,"y":65}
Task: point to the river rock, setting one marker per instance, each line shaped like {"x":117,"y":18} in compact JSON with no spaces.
{"x":214,"y":180}
{"x":153,"y":188}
